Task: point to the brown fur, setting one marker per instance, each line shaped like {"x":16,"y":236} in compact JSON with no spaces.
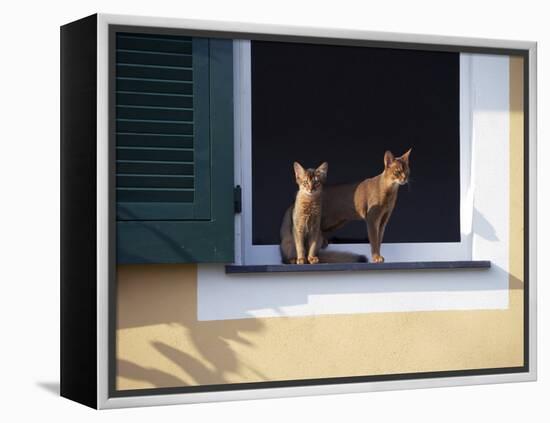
{"x":371,"y":200}
{"x":301,"y":237}
{"x":303,"y":219}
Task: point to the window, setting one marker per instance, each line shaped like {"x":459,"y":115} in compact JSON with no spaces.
{"x":196,"y":117}
{"x":173,"y":134}
{"x":347,"y":105}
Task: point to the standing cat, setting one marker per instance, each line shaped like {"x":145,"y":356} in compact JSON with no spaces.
{"x":301,"y":229}
{"x":371,"y":200}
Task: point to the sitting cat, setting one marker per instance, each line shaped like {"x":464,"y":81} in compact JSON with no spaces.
{"x":301,"y":228}
{"x":301,"y":236}
{"x":371,"y":200}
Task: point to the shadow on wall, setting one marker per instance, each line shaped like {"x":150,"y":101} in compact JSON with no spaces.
{"x":155,"y":377}
{"x":167,"y":295}
{"x":483,"y":227}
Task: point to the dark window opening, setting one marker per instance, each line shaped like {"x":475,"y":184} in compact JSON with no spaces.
{"x":347,"y":105}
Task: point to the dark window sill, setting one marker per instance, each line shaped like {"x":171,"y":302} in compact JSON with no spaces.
{"x":346,"y":267}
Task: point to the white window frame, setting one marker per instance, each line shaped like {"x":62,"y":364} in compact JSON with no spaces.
{"x":248,"y":253}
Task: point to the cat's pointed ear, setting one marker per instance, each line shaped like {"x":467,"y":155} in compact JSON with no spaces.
{"x":299,"y":171}
{"x":388,"y":158}
{"x":406,"y":155}
{"x":321,"y":171}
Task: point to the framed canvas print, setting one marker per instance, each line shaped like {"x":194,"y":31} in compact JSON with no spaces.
{"x":253,"y":211}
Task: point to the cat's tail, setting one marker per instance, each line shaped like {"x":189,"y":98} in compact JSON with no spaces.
{"x":287,"y":246}
{"x":341,"y":257}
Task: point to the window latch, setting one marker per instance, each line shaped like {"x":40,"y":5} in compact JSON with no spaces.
{"x":237,"y":199}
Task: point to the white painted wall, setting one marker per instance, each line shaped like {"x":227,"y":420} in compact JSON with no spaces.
{"x":484,"y":218}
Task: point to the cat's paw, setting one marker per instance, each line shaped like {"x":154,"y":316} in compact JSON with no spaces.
{"x":301,"y":261}
{"x":292,"y":261}
{"x":377,"y":259}
{"x":313,"y":259}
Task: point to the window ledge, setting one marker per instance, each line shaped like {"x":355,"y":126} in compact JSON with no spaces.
{"x":346,"y":267}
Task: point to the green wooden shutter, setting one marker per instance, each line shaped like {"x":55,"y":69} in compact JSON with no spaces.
{"x":174,"y":148}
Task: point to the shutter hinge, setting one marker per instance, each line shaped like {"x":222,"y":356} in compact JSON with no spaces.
{"x":237,"y":199}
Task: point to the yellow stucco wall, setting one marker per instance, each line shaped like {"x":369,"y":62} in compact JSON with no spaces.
{"x":160,"y":342}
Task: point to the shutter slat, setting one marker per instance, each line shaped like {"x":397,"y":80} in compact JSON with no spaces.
{"x":153,"y":127}
{"x":156,"y":167}
{"x":174,"y":195}
{"x":149,"y":58}
{"x":154,"y":113}
{"x":154,"y":181}
{"x":155,"y":86}
{"x":153,"y":99}
{"x":181,"y":38}
{"x":148,"y":154}
{"x":154,"y":72}
{"x":157,"y":44}
{"x":160,"y":140}
{"x":155,"y":51}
